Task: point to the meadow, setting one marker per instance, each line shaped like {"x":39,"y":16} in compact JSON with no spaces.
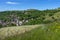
{"x":46,"y":32}
{"x":15,"y":30}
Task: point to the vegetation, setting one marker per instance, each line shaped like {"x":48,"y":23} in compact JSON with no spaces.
{"x":47,"y":21}
{"x":41,"y":33}
{"x":32,"y":15}
{"x":13,"y":31}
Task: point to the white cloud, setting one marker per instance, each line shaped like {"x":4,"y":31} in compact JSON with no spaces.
{"x":11,"y":2}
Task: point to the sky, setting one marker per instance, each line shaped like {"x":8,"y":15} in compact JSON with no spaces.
{"x":28,"y":4}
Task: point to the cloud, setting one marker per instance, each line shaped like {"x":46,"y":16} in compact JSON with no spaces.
{"x":11,"y":2}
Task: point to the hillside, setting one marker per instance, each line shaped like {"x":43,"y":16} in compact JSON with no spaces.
{"x":31,"y":24}
{"x":28,"y":17}
{"x":47,"y":32}
{"x":17,"y":30}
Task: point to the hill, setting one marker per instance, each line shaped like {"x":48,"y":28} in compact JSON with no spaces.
{"x":28,"y":17}
{"x":47,"y":32}
{"x":40,"y":25}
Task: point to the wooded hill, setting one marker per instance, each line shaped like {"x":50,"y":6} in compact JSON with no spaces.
{"x":29,"y":17}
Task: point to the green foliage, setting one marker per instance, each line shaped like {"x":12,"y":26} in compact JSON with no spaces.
{"x":38,"y":16}
{"x":0,"y":26}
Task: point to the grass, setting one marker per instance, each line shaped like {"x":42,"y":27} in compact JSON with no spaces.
{"x":12,"y":31}
{"x":46,"y":32}
{"x":40,"y":33}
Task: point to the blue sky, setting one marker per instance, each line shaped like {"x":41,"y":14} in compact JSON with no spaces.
{"x":28,"y":4}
